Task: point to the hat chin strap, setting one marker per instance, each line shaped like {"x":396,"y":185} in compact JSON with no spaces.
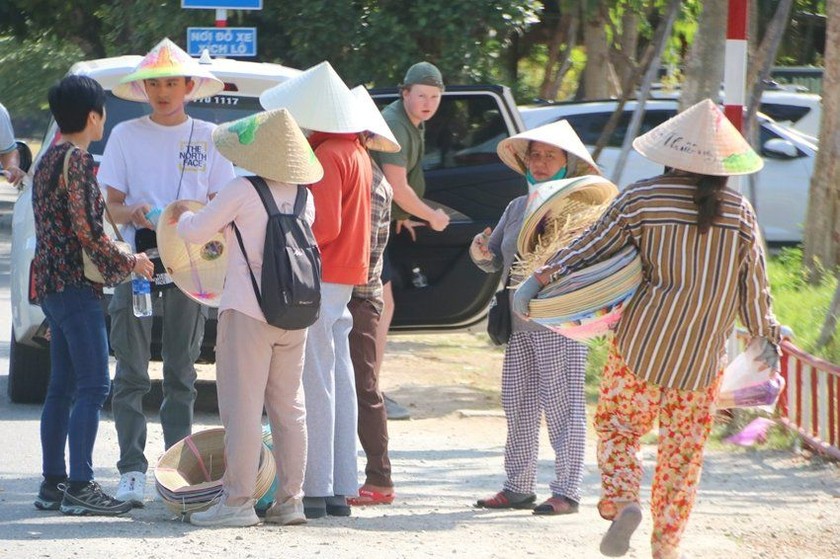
{"x":533,"y":183}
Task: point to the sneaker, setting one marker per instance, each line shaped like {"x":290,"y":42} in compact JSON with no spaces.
{"x":50,"y":495}
{"x":132,"y":488}
{"x":395,"y":411}
{"x":289,"y":513}
{"x":91,"y":500}
{"x":221,"y":514}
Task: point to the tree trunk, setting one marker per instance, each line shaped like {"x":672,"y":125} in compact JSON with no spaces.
{"x":822,"y":224}
{"x":629,"y":44}
{"x":661,"y":39}
{"x":566,"y":57}
{"x":558,"y":36}
{"x":596,"y":75}
{"x":705,"y":59}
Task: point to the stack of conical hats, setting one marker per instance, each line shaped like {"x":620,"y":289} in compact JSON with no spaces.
{"x":588,"y":302}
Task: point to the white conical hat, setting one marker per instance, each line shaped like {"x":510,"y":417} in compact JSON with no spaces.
{"x":197,"y":269}
{"x":319,"y":100}
{"x":168,"y":60}
{"x":379,"y":136}
{"x":271,"y":145}
{"x":558,"y":134}
{"x":700,"y":140}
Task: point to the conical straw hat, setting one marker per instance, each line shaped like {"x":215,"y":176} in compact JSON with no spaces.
{"x":168,"y":60}
{"x":552,"y":197}
{"x":271,"y":145}
{"x":700,"y":140}
{"x":197,"y":269}
{"x":189,"y":475}
{"x":558,"y":134}
{"x":320,"y":101}
{"x":379,"y":136}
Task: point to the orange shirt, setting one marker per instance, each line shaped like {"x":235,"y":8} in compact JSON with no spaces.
{"x":342,"y":207}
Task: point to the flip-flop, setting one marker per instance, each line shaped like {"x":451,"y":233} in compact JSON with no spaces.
{"x":616,"y":541}
{"x":371,"y":497}
{"x":556,"y":505}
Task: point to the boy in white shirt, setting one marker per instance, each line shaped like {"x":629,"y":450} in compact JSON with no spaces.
{"x":148,"y":163}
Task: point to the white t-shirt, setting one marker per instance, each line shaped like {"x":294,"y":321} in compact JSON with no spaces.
{"x":7,"y":135}
{"x":147,"y":161}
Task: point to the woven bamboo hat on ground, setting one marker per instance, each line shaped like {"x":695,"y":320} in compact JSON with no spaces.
{"x":197,"y":269}
{"x":321,"y":101}
{"x":269,"y":144}
{"x":568,"y":200}
{"x":189,"y":475}
{"x":378,"y":135}
{"x":559,"y":134}
{"x":700,"y":140}
{"x":168,"y":60}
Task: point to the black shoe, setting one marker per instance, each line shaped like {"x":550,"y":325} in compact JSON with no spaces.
{"x":91,"y":500}
{"x":50,"y":495}
{"x":314,"y":507}
{"x":337,"y":506}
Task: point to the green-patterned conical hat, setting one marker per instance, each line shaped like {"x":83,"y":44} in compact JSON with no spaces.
{"x":700,"y":140}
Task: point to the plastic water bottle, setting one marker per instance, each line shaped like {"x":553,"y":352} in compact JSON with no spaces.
{"x":141,"y":295}
{"x":418,"y":278}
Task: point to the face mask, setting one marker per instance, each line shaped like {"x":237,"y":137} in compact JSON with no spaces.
{"x":533,"y":183}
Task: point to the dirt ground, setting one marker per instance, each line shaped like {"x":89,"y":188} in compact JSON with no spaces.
{"x":752,"y":504}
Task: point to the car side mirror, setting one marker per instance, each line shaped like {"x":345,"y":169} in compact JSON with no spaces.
{"x":25,"y":156}
{"x":778,"y":148}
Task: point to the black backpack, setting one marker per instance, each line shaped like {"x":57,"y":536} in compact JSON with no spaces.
{"x":291,"y":271}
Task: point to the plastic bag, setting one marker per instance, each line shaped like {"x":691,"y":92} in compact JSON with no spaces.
{"x":746,"y":385}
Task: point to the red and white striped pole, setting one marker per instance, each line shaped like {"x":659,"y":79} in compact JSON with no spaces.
{"x":735,"y":68}
{"x":221,"y":17}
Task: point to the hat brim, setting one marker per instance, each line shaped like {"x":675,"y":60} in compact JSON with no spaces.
{"x":513,"y":151}
{"x":132,"y":88}
{"x":551,"y":197}
{"x":197,"y":269}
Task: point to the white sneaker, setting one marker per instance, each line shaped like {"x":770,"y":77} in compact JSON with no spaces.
{"x":132,"y":488}
{"x":289,"y":513}
{"x":221,"y":514}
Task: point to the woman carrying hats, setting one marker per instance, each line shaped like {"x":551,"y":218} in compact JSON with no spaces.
{"x":257,"y":364}
{"x":543,"y":372}
{"x":703,"y":266}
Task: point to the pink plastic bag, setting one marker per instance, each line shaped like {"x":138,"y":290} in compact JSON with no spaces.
{"x":745,"y":385}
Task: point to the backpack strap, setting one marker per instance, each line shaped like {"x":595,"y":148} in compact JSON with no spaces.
{"x":248,"y":263}
{"x":265,"y":195}
{"x":300,"y":200}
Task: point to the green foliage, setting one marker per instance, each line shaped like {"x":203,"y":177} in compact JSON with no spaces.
{"x":800,"y":305}
{"x":27,"y":70}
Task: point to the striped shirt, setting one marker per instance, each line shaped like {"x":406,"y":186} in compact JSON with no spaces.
{"x":381,"y":195}
{"x":674,"y":329}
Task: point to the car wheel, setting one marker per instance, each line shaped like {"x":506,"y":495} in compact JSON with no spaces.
{"x":29,"y":372}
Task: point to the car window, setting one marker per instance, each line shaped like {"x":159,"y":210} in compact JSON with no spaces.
{"x":589,"y":126}
{"x":219,"y":108}
{"x":464,"y":132}
{"x":784,"y":113}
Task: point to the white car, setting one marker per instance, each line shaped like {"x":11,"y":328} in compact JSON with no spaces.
{"x":781,"y":191}
{"x":29,"y":351}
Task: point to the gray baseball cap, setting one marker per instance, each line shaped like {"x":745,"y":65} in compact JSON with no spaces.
{"x":423,"y":73}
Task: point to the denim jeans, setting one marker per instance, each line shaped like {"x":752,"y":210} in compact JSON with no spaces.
{"x":79,"y":381}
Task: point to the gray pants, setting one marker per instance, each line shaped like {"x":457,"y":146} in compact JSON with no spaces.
{"x":183,"y":329}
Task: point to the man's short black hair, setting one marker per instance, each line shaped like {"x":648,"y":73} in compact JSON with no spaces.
{"x":71,"y":101}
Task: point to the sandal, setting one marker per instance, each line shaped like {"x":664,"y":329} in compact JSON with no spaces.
{"x":371,"y":497}
{"x":616,"y":541}
{"x":557,"y":505}
{"x":507,"y":500}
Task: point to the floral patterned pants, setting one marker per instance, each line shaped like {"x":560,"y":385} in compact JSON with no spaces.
{"x":627,"y":409}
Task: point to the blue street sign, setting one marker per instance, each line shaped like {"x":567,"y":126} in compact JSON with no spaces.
{"x":222,"y":41}
{"x":223,"y":4}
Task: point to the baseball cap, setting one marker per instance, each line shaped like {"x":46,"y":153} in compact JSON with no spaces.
{"x":423,"y":73}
